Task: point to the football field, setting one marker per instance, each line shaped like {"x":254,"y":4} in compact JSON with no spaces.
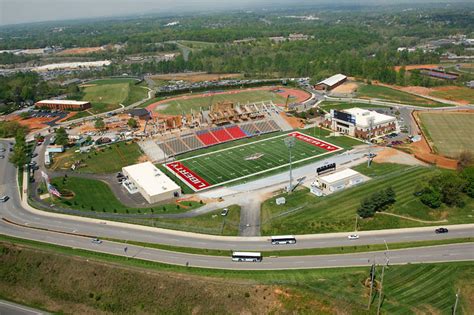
{"x":450,"y":132}
{"x":242,"y":161}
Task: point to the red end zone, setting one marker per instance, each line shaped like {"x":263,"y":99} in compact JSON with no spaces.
{"x":314,"y":141}
{"x":189,"y":177}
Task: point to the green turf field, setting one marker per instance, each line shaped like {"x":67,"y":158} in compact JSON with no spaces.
{"x":451,"y":133}
{"x":385,"y":93}
{"x":108,"y":94}
{"x":306,"y":213}
{"x":249,"y":159}
{"x":106,"y":159}
{"x":185,"y":104}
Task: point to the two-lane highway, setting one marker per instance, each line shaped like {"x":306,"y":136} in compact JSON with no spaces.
{"x":21,"y":213}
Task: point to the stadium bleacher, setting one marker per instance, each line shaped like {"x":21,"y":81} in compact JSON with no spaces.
{"x":207,"y":138}
{"x":250,"y":129}
{"x":236,"y":132}
{"x":192,"y":142}
{"x":177,"y":145}
{"x":221,"y":135}
{"x":166,"y":149}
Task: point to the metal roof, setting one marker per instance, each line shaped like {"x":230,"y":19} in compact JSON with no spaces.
{"x":333,"y":80}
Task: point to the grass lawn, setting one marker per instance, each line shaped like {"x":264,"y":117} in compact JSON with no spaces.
{"x":107,"y":159}
{"x":110,"y":283}
{"x":385,"y":93}
{"x":210,"y":223}
{"x":340,"y":106}
{"x":95,"y":195}
{"x":106,"y":95}
{"x":233,"y":162}
{"x":451,"y":133}
{"x":455,"y":94}
{"x":305,"y":213}
{"x":79,"y":115}
{"x":177,"y":107}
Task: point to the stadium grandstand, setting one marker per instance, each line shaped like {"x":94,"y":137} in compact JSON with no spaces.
{"x":176,"y":144}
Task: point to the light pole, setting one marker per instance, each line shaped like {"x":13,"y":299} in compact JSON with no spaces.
{"x":371,"y":124}
{"x":290,"y":143}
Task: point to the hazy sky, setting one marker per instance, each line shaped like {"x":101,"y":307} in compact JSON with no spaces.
{"x":24,"y":11}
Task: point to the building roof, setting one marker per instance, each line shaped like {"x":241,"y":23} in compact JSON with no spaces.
{"x":363,"y":117}
{"x":333,"y":80}
{"x":150,"y":178}
{"x":338,"y":176}
{"x":138,"y":112}
{"x":65,"y":102}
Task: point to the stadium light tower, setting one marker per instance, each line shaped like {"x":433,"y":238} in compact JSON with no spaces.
{"x":290,"y":143}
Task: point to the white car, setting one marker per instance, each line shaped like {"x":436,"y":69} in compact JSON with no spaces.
{"x":353,"y":237}
{"x":224,"y":212}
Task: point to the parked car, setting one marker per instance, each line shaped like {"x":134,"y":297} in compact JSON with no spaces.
{"x":4,"y":198}
{"x":96,"y":241}
{"x":224,"y":212}
{"x":441,"y":230}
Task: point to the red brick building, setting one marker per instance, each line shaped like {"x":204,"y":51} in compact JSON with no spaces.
{"x":63,"y":105}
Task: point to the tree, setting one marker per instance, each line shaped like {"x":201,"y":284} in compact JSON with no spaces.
{"x":466,"y":158}
{"x":366,"y":208}
{"x":132,"y":123}
{"x":99,"y":124}
{"x":431,"y":198}
{"x":468,"y":175}
{"x":61,"y":136}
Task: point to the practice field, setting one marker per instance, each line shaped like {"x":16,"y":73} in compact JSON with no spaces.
{"x":242,"y":161}
{"x":106,"y":95}
{"x":450,"y":132}
{"x":178,"y":105}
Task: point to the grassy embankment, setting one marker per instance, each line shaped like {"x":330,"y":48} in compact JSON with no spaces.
{"x":392,"y":95}
{"x":455,"y":94}
{"x":107,"y":159}
{"x":94,"y":195}
{"x":305,"y":213}
{"x":341,"y":106}
{"x":68,"y":280}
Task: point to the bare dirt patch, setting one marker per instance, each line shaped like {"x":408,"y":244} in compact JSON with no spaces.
{"x":346,"y":88}
{"x":414,"y":67}
{"x":293,"y":121}
{"x":196,"y":76}
{"x":80,"y":51}
{"x":390,"y":155}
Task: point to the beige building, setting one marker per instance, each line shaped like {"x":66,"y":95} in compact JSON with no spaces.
{"x":150,"y":182}
{"x":328,"y":184}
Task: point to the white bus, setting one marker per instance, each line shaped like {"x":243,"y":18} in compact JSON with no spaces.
{"x":284,"y":239}
{"x":246,"y":256}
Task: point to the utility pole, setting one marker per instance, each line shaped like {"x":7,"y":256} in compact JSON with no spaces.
{"x":381,"y":290}
{"x":290,"y":143}
{"x":456,"y":303}
{"x":372,"y":276}
{"x":357,"y":217}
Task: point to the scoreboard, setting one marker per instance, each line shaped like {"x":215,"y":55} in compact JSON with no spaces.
{"x":343,"y":116}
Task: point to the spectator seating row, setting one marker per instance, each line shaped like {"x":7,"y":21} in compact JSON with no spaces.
{"x":176,"y":145}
